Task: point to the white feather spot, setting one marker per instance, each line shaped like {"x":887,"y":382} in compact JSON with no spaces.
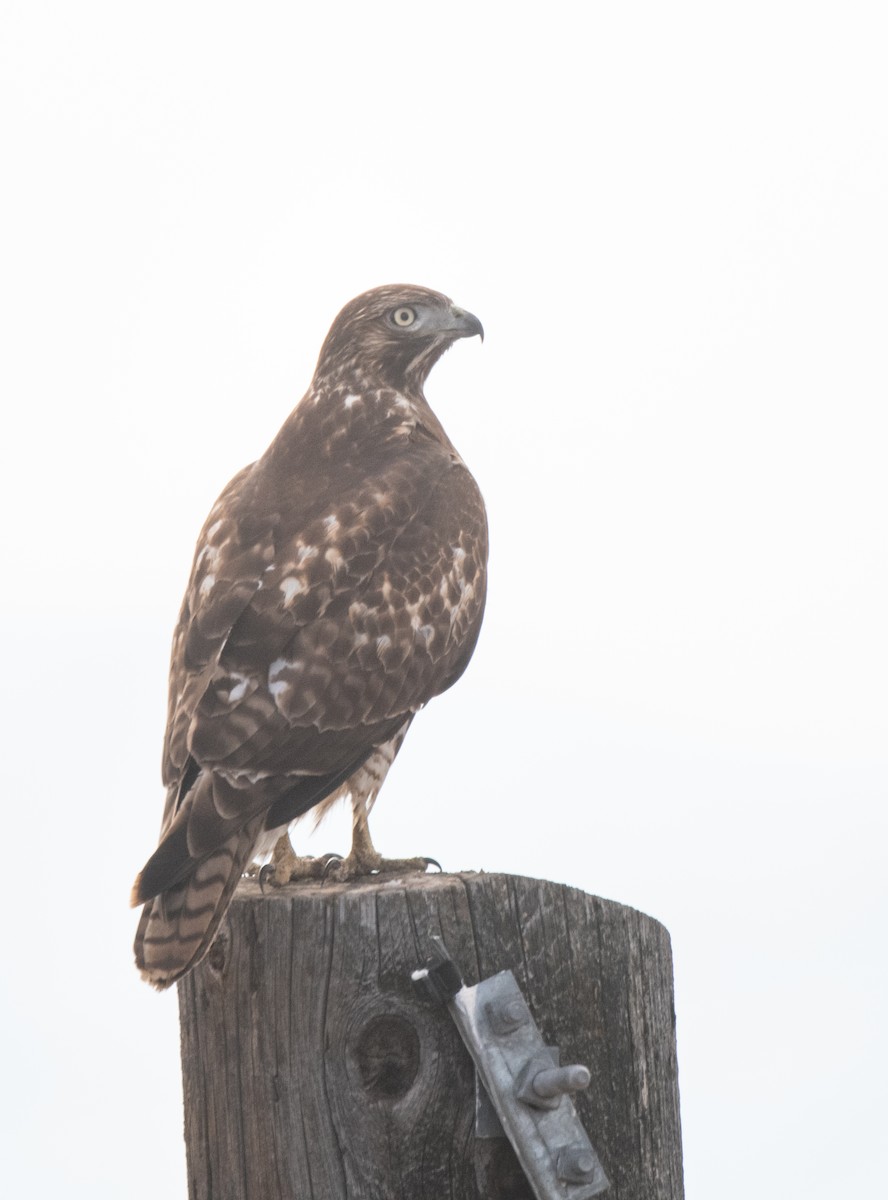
{"x":305,"y":553}
{"x":331,"y":523}
{"x":291,"y":586}
{"x":424,"y":632}
{"x":240,"y":688}
{"x":466,"y":596}
{"x":209,"y":556}
{"x":334,"y":558}
{"x":214,"y":529}
{"x":276,"y":685}
{"x":351,"y":400}
{"x":239,"y":778}
{"x":207,"y":584}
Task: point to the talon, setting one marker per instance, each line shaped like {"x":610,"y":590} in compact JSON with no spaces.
{"x":329,"y":860}
{"x":266,"y":872}
{"x":433,"y":862}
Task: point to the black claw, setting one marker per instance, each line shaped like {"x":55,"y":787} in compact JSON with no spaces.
{"x":264,"y":873}
{"x":433,"y":862}
{"x":330,"y":859}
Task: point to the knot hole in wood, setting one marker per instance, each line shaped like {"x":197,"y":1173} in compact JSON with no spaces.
{"x":387,"y":1055}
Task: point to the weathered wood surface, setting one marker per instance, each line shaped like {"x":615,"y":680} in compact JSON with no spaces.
{"x":313,"y":1072}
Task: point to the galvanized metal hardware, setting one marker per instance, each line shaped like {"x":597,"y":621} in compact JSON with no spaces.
{"x":541,"y":1085}
{"x":522,"y":1091}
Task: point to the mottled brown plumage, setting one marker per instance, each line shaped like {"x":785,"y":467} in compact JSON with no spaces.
{"x":338,"y":585}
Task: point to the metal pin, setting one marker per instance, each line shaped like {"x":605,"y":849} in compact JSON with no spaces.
{"x":541,"y":1085}
{"x":557,"y":1080}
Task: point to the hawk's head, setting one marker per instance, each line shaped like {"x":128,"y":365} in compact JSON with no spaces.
{"x":394,"y":335}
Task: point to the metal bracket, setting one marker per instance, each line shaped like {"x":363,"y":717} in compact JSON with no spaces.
{"x":520,"y":1077}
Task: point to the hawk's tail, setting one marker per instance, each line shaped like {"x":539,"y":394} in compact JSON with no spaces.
{"x":177,"y":926}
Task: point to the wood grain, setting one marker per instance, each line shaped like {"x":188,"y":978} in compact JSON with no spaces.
{"x":313,"y":1071}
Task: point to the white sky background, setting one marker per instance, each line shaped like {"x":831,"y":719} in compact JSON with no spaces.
{"x":672,"y":221}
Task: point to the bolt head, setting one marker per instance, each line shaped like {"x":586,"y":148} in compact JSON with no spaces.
{"x":505,"y":1016}
{"x":575,"y":1164}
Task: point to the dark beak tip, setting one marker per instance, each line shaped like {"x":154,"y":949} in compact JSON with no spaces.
{"x":469,"y":323}
{"x":473,"y":326}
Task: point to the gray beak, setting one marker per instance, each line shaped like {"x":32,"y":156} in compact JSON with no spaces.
{"x":465,"y":324}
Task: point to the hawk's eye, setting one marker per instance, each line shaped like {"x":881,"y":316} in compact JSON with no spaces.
{"x":403,"y":317}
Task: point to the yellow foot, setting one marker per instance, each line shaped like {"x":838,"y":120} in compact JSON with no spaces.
{"x":360,"y":863}
{"x":286,"y":867}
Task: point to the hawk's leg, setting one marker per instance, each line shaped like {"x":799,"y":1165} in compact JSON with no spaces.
{"x":364,"y":858}
{"x":285,"y":865}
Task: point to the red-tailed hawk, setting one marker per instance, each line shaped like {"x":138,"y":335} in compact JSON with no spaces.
{"x":338,"y":585}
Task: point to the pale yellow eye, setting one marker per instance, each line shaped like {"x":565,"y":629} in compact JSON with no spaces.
{"x":403,"y":317}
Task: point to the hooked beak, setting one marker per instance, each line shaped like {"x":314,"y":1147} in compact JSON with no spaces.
{"x":464,"y":324}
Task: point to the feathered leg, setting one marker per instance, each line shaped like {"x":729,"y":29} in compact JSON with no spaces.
{"x":363,"y":786}
{"x":363,"y":859}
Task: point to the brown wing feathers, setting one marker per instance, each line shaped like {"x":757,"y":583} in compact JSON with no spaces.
{"x":337,"y":586}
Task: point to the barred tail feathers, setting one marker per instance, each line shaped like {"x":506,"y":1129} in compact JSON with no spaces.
{"x":178,"y":926}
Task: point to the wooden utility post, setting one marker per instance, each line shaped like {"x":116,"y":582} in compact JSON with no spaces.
{"x":314,"y":1072}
